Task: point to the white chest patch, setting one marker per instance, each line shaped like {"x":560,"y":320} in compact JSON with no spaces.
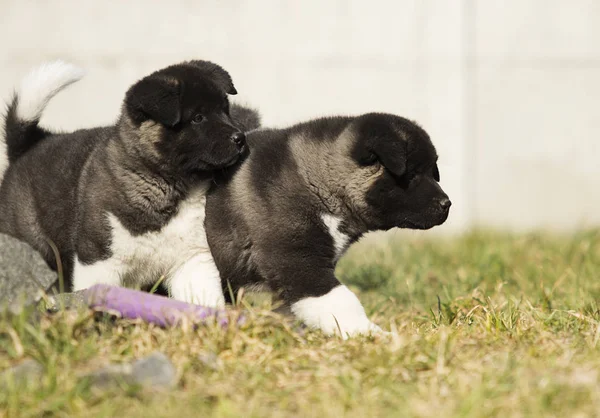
{"x":179,"y":251}
{"x":164,"y":250}
{"x":340,"y":240}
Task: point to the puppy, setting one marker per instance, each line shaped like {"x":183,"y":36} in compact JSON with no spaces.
{"x":286,"y":215}
{"x":129,"y":194}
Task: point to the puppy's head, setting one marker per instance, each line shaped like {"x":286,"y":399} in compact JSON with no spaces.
{"x":182,"y":117}
{"x":397,"y":164}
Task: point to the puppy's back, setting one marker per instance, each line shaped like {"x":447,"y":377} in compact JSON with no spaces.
{"x":38,"y":193}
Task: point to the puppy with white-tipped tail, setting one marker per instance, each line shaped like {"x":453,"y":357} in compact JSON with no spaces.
{"x":130,"y":194}
{"x":24,"y":112}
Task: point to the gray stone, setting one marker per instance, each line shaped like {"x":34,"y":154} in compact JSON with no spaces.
{"x":24,"y":275}
{"x":155,"y":371}
{"x":29,"y":371}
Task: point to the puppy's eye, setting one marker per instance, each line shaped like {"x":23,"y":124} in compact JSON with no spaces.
{"x":197,"y":118}
{"x":370,"y":159}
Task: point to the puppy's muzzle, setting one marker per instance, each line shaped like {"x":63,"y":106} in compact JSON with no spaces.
{"x":445,"y":204}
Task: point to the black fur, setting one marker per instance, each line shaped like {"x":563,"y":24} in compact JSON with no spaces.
{"x":248,"y":119}
{"x":375,"y":172}
{"x":218,"y":74}
{"x":156,"y":97}
{"x":20,"y":135}
{"x":58,"y":187}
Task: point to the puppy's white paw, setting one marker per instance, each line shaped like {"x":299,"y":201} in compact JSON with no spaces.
{"x":338,"y":312}
{"x":198,"y":282}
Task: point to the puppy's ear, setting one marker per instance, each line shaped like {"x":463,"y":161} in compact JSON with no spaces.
{"x":436,"y":173}
{"x":218,"y":74}
{"x":392,"y":153}
{"x":379,"y":140}
{"x":155,"y":97}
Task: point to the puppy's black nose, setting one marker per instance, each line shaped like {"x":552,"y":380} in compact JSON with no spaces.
{"x":239,"y":139}
{"x":445,"y":203}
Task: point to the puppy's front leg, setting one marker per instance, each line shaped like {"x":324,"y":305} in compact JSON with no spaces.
{"x":107,"y":271}
{"x":336,"y":312}
{"x":198,"y":281}
{"x":317,"y":298}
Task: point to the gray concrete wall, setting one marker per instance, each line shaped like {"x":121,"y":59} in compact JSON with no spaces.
{"x":509,"y":91}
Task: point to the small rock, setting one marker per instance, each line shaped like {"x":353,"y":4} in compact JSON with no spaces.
{"x":24,"y":275}
{"x":155,"y":371}
{"x":27,"y":372}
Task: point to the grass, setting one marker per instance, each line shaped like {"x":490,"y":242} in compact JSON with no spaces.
{"x":487,"y":325}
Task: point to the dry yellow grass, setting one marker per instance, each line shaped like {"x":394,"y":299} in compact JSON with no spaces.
{"x":487,"y":325}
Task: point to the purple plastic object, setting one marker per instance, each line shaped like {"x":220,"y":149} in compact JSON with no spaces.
{"x":151,"y":308}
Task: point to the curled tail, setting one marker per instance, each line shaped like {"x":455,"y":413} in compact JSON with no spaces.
{"x":21,"y":130}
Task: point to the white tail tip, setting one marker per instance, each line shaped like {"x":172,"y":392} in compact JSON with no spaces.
{"x":43,"y":83}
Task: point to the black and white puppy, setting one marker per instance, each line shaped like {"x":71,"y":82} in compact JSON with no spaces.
{"x":285,"y":216}
{"x":126,"y":196}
